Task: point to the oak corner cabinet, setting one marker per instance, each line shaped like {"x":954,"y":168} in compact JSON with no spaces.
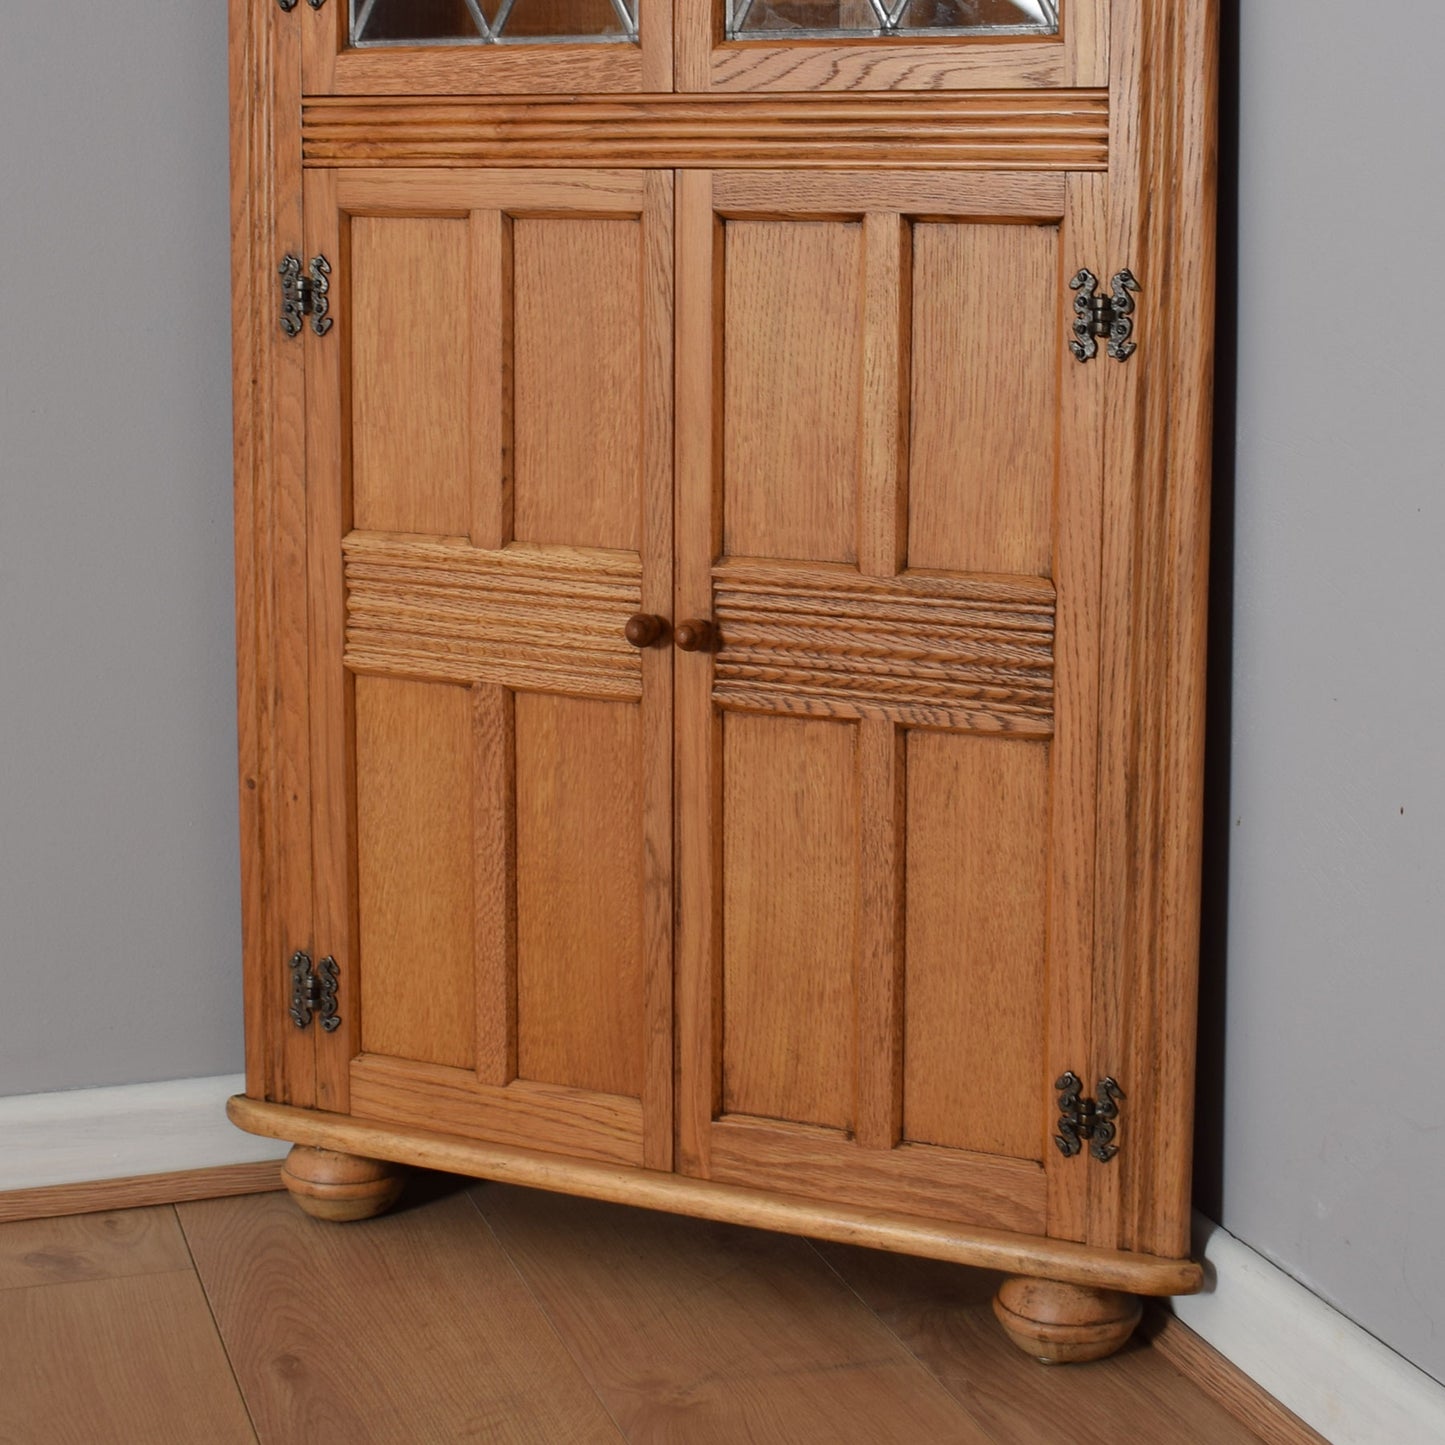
{"x":721,"y":495}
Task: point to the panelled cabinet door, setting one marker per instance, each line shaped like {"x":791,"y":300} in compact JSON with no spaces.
{"x":480,"y":47}
{"x":489,"y":495}
{"x":889,"y":506}
{"x":898,"y":45}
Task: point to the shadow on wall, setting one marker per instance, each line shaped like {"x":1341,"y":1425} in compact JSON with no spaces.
{"x":1218,"y":822}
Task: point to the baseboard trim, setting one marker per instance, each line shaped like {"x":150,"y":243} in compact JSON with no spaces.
{"x":84,"y":1136}
{"x":1296,"y":1350}
{"x":140,"y":1190}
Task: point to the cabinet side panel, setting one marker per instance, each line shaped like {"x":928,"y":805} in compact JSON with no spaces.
{"x":792,"y":380}
{"x":414,"y":835}
{"x":410,"y":378}
{"x":790,"y":907}
{"x":976,"y":910}
{"x":984,"y":386}
{"x":580,"y":1007}
{"x":577,"y":376}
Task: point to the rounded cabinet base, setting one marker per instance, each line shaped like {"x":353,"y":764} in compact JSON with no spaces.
{"x":340,"y":1187}
{"x":1065,"y":1324}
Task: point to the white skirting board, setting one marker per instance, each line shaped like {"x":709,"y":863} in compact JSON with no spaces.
{"x":84,"y":1135}
{"x":1335,"y":1376}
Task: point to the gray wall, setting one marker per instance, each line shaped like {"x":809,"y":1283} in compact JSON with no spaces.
{"x":1333,"y":1159}
{"x":118,"y":904}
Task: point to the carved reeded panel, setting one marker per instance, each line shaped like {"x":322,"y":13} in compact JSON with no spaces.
{"x":503,"y":748}
{"x":879,"y":720}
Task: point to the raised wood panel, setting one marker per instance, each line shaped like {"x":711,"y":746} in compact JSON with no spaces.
{"x":414,"y":883}
{"x":913,"y":1179}
{"x":1001,"y":130}
{"x":577,"y":380}
{"x":790,"y":909}
{"x":579,"y":1122}
{"x":974,"y":989}
{"x":580,"y":876}
{"x":410,"y":381}
{"x":545,"y":618}
{"x":986,"y":356}
{"x":792,"y":373}
{"x":967,"y":652}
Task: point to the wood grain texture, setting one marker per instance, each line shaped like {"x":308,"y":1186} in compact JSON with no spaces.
{"x":944,"y":1315}
{"x":283,"y":1287}
{"x":997,"y":130}
{"x":677,"y":1194}
{"x":791,"y":394}
{"x":410,"y":406}
{"x":414,"y":870}
{"x":974,"y":985}
{"x":1007,"y":195}
{"x":921,"y":649}
{"x":577,"y":381}
{"x":116,"y":1359}
{"x":409,"y":192}
{"x":724,"y":1335}
{"x":580,"y":894}
{"x":986,"y":359}
{"x":547,"y":618}
{"x":1153,"y":613}
{"x":579,"y":1122}
{"x":138,"y":1191}
{"x":1225,"y":1383}
{"x":790,"y":918}
{"x":110,"y":1245}
{"x":914,"y":1179}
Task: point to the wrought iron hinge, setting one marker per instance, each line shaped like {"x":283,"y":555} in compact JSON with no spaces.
{"x":313,"y":991}
{"x":1098,"y":316}
{"x":1091,"y":1119}
{"x":303,"y":296}
{"x":290,"y":5}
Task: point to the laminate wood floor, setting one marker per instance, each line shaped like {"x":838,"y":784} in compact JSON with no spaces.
{"x":478,"y":1312}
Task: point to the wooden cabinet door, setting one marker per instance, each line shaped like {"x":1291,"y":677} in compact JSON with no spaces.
{"x":889,"y":472}
{"x":489,"y":502}
{"x":892,"y":45}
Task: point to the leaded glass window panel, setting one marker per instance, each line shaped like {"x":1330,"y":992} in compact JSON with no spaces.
{"x":804,"y":19}
{"x":491,"y":22}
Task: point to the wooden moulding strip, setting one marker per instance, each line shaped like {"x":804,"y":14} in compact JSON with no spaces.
{"x":675,"y":1194}
{"x":1057,"y":130}
{"x":136,"y":1191}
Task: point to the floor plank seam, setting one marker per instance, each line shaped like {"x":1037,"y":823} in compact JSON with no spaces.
{"x":545,"y":1313}
{"x":216,"y":1325}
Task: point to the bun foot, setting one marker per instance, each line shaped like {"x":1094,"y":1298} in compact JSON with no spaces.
{"x":1064,"y":1324}
{"x":340,"y":1187}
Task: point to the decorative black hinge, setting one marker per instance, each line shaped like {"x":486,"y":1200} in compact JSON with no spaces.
{"x":1098,"y":316}
{"x":303,"y":296}
{"x":313,"y":991}
{"x":290,"y":5}
{"x":1091,"y":1119}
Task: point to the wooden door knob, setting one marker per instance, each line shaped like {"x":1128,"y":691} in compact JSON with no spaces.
{"x":695,"y":635}
{"x":644,"y":628}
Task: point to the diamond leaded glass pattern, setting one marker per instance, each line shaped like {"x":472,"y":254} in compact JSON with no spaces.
{"x":805,"y":19}
{"x":491,"y":22}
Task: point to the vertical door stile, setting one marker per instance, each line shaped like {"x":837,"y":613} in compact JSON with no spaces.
{"x":656,"y":533}
{"x":698,"y":810}
{"x":1073,"y":805}
{"x":882,"y":544}
{"x":327,"y":519}
{"x":494,"y":799}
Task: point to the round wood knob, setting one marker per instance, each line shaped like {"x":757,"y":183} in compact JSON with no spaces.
{"x":644,"y":629}
{"x":695,"y":635}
